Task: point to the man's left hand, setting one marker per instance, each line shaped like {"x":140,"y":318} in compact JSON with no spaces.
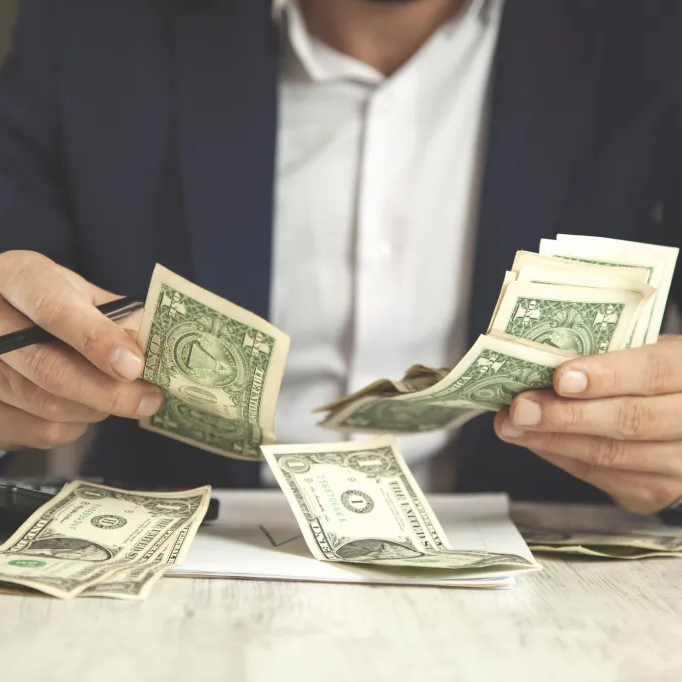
{"x":613,"y":420}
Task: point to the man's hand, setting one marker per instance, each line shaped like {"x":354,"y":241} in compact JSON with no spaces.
{"x":613,"y":420}
{"x":50,"y":392}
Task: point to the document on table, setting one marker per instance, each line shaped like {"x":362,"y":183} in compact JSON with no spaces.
{"x":256,"y":536}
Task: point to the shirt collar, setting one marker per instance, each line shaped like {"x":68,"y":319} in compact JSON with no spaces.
{"x":323,"y":63}
{"x":480,"y":8}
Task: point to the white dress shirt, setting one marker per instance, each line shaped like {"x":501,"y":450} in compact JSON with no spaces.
{"x":377,"y":192}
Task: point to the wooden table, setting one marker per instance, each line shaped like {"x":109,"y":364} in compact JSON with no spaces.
{"x":578,"y":621}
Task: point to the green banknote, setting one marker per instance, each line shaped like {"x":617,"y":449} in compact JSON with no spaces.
{"x":580,"y":319}
{"x":220,"y":368}
{"x":543,"y":269}
{"x":88,"y":533}
{"x":136,"y":582}
{"x":659,"y":261}
{"x":606,"y":544}
{"x":496,"y":369}
{"x":358,"y":503}
{"x":130,"y":584}
{"x":417,"y":378}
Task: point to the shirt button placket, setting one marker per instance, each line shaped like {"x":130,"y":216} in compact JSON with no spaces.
{"x":375,"y":272}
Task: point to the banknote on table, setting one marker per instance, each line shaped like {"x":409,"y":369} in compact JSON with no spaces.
{"x":578,"y":296}
{"x":220,"y":368}
{"x":602,"y":544}
{"x":136,"y":583}
{"x":358,"y":503}
{"x":90,"y":533}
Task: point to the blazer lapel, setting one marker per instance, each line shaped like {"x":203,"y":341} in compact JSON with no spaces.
{"x":547,"y":73}
{"x":226,"y":106}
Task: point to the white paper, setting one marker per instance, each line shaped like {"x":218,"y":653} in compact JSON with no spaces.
{"x":257,"y":537}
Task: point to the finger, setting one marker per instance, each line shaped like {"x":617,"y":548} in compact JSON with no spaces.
{"x":131,"y":323}
{"x":638,"y":456}
{"x":17,"y":391}
{"x":19,"y":429}
{"x":641,"y":493}
{"x":655,"y":418}
{"x":651,"y":370}
{"x":62,"y":372}
{"x":65,"y":305}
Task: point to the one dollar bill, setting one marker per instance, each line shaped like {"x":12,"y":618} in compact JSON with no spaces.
{"x":90,"y":533}
{"x":658,"y":261}
{"x":602,"y":544}
{"x":587,"y":315}
{"x":136,"y":583}
{"x":220,"y":368}
{"x":358,"y":503}
{"x":496,"y":369}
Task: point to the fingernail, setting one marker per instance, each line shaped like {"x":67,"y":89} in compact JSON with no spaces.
{"x":572,"y":381}
{"x":509,"y":430}
{"x":150,"y":404}
{"x":128,"y":364}
{"x":527,"y":413}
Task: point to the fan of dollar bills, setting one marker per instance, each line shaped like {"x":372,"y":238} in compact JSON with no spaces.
{"x":221,"y":367}
{"x":578,"y":296}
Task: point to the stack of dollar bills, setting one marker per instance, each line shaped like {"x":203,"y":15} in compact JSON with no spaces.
{"x":96,"y":541}
{"x":577,"y":296}
{"x":595,"y":530}
{"x":603,"y":545}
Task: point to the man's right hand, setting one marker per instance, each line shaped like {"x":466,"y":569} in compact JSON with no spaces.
{"x":51,"y":392}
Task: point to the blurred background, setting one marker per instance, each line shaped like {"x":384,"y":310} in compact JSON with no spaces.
{"x":7,"y":12}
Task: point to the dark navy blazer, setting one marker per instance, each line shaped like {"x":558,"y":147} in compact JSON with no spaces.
{"x":139,"y":131}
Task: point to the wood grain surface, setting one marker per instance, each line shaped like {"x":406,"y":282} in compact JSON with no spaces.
{"x":576,"y":620}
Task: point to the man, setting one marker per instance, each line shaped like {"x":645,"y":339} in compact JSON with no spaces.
{"x":411,"y":148}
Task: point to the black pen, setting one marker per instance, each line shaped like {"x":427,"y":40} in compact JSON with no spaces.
{"x":114,"y":310}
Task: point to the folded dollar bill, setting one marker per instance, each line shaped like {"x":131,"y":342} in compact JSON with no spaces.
{"x":486,"y":379}
{"x":603,"y":544}
{"x":93,"y":540}
{"x":220,"y":368}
